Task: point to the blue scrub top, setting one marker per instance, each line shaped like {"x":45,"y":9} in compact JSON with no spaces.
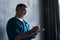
{"x":16,"y":27}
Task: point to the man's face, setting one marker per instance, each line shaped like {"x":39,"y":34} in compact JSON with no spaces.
{"x":22,"y":11}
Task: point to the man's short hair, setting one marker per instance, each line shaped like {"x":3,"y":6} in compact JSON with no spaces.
{"x":20,"y":6}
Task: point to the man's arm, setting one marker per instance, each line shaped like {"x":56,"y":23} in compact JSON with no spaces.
{"x":27,"y":34}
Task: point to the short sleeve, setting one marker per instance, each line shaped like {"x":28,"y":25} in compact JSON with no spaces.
{"x":13,"y":29}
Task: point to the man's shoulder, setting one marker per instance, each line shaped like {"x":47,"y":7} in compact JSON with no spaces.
{"x":12,"y":19}
{"x":11,"y":22}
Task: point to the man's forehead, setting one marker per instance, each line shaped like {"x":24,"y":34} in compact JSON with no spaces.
{"x":24,"y":8}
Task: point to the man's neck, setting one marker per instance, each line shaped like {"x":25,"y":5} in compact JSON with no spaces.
{"x":18,"y":17}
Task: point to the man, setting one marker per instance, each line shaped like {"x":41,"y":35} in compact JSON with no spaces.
{"x":17,"y":28}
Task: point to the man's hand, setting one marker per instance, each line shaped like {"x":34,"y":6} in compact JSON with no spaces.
{"x":35,"y":30}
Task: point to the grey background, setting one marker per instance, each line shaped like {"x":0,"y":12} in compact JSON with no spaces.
{"x":7,"y":10}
